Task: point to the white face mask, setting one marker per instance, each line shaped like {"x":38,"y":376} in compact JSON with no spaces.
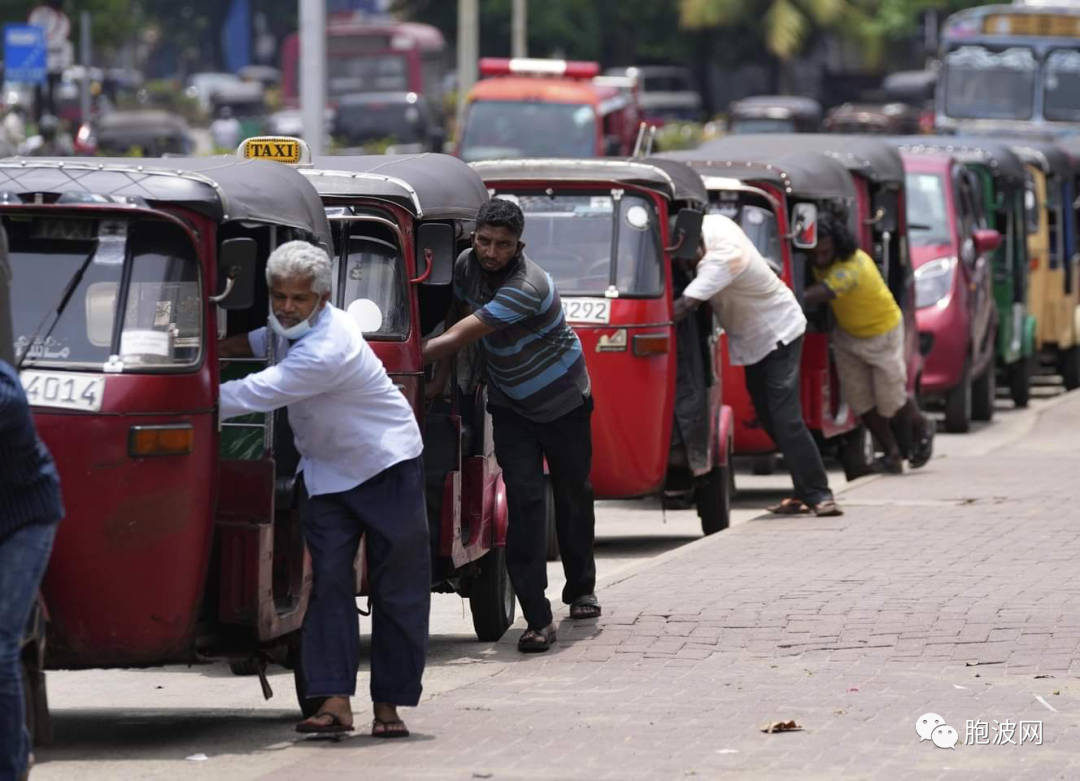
{"x":294,"y":332}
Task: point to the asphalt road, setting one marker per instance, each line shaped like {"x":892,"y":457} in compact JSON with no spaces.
{"x":204,"y":723}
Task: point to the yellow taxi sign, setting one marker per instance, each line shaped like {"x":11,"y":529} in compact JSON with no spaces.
{"x":280,"y":149}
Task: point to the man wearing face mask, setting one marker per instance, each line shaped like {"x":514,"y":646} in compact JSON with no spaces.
{"x":362,"y":474}
{"x":540,"y":402}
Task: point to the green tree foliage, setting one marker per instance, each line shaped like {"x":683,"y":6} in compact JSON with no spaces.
{"x":114,"y":21}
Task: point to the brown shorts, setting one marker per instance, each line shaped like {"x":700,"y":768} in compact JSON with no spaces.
{"x":873,"y":373}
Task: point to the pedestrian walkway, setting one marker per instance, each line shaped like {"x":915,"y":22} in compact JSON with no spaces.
{"x":954,"y":591}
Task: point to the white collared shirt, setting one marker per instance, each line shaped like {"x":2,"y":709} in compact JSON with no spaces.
{"x":753,"y":305}
{"x":348,"y":419}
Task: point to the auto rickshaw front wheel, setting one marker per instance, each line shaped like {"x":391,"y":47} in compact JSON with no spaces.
{"x":491,"y":597}
{"x":712,"y":495}
{"x":958,"y":404}
{"x":1069,"y":367}
{"x":1020,"y":382}
{"x":984,"y":392}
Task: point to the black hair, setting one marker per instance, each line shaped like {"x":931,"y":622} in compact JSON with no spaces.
{"x":501,"y":213}
{"x":835,"y":226}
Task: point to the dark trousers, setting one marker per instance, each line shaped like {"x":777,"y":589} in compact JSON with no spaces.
{"x":389,"y":510}
{"x":773,"y":384}
{"x":520,"y":447}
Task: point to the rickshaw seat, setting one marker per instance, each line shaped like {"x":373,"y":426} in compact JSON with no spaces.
{"x":285,"y":493}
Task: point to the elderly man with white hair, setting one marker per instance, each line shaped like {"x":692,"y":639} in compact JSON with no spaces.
{"x":362,"y":474}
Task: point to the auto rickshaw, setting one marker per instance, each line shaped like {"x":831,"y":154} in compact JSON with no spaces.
{"x":608,"y":232}
{"x":176,"y":547}
{"x":873,"y":119}
{"x":774,"y":114}
{"x":141,"y":133}
{"x":399,"y":222}
{"x":767,"y":195}
{"x":1053,"y":289}
{"x":1002,"y":190}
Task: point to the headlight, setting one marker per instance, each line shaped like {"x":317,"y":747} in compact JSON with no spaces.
{"x":933,"y":281}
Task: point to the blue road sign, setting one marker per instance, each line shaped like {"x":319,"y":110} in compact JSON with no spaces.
{"x":24,"y":53}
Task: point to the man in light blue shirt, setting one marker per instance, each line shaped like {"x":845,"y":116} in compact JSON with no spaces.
{"x":360,"y":461}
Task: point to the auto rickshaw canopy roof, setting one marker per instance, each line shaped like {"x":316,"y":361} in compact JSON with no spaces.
{"x":1048,"y":156}
{"x":225,"y":189}
{"x":429,"y":186}
{"x":810,"y":175}
{"x":776,"y":106}
{"x":672,"y":179}
{"x":865,"y":155}
{"x":995,"y":155}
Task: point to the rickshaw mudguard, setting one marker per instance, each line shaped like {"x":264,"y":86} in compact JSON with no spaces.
{"x":144,"y":543}
{"x":475,"y":535}
{"x":725,"y":435}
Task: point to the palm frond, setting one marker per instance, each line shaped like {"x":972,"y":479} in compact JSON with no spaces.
{"x":701,"y":14}
{"x":785,"y":29}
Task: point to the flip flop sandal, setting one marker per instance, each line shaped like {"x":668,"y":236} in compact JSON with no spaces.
{"x":584,"y":607}
{"x":827,"y":509}
{"x":386,"y":731}
{"x":528,"y":644}
{"x":790,"y":507}
{"x":335,"y":727}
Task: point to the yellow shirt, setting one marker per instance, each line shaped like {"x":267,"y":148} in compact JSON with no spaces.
{"x":864,"y":306}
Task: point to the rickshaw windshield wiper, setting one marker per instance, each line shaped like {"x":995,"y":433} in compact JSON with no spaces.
{"x":61,"y":305}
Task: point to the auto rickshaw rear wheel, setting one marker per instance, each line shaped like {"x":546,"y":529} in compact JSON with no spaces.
{"x":552,"y":533}
{"x":244,"y":667}
{"x":712,"y":495}
{"x":1020,"y":382}
{"x":983,"y":394}
{"x":958,"y":404}
{"x":491,"y":597}
{"x":764,"y":464}
{"x":1069,"y":366}
{"x":857,"y":453}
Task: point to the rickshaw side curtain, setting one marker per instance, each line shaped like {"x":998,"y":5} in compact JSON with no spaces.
{"x":692,"y":380}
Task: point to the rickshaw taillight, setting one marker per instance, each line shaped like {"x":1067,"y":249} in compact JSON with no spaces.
{"x":651,"y":344}
{"x":174,"y":440}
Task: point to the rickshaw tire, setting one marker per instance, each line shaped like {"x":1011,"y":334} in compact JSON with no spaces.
{"x":1020,"y":382}
{"x":244,"y":667}
{"x":983,"y":393}
{"x":35,"y":697}
{"x":551,"y":532}
{"x":712,"y":495}
{"x":491,"y":597}
{"x":856,"y":454}
{"x":959,"y":404}
{"x":1069,"y":366}
{"x":764,"y":464}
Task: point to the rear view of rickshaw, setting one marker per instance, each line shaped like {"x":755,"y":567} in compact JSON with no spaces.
{"x":398,"y":224}
{"x":775,"y":199}
{"x":182,"y":539}
{"x":1053,"y":289}
{"x":1002,"y":189}
{"x":609,"y":234}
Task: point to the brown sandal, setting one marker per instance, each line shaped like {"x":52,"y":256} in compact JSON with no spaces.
{"x":790,"y":506}
{"x":827,"y":509}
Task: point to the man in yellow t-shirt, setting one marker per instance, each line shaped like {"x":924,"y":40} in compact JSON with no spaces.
{"x":868,"y":342}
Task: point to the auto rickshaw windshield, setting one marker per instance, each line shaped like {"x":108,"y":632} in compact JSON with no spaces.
{"x":372,"y":282}
{"x":572,"y":236}
{"x":162,"y":304}
{"x":928,"y":217}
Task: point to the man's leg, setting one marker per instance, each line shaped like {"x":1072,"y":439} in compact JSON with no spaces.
{"x":518,"y":452}
{"x":391,"y":506}
{"x":783,"y":397}
{"x":567,"y":443}
{"x":23,"y":558}
{"x":755,"y":385}
{"x":330,"y":637}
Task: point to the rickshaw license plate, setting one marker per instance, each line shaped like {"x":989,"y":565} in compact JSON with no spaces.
{"x":587,"y":310}
{"x":62,"y":390}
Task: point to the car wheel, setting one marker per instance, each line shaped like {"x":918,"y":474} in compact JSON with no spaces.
{"x":491,"y":597}
{"x":958,"y":405}
{"x":983,"y":393}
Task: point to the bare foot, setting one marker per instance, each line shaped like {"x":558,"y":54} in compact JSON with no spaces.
{"x":387,"y":723}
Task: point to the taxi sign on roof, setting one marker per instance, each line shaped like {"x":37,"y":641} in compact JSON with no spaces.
{"x":280,"y":149}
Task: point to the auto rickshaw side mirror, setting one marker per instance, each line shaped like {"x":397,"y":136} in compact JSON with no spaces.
{"x":986,"y":241}
{"x":686,"y":234}
{"x":804,"y":220}
{"x":237,"y":266}
{"x":435,"y":253}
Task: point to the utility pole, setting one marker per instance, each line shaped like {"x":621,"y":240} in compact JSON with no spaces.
{"x":313,"y":72}
{"x":84,"y":46}
{"x":519,"y":26}
{"x":468,"y":51}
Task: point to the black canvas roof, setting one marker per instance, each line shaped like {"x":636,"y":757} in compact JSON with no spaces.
{"x":224,"y":188}
{"x":805,"y":175}
{"x":430,"y":186}
{"x":864,"y":155}
{"x":669,"y":177}
{"x":1048,"y":156}
{"x":996,"y":155}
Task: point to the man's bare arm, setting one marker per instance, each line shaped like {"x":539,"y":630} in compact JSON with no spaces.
{"x":235,"y":347}
{"x":816,"y":295}
{"x":685,"y":306}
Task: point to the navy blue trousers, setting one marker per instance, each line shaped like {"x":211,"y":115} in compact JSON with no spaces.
{"x":389,"y":509}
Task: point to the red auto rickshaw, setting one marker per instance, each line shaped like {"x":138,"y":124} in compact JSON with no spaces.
{"x":608,"y":233}
{"x":774,"y":198}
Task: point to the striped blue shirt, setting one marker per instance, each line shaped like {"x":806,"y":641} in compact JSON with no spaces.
{"x":533,"y":359}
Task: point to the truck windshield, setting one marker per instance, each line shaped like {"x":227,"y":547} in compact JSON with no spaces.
{"x":497,"y":129}
{"x":1061,"y":81}
{"x":163,"y":312}
{"x":983,"y":84}
{"x":928,"y":216}
{"x":349,"y":72}
{"x":570,"y":236}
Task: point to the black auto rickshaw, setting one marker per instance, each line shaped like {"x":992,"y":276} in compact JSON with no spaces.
{"x":879,"y":119}
{"x":774,"y":114}
{"x":141,"y":133}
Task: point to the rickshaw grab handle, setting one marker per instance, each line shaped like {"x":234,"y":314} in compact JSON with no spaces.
{"x":229,"y":282}
{"x":675,"y":247}
{"x":429,"y":258}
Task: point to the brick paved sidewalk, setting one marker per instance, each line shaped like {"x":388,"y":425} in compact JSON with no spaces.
{"x":954,"y":590}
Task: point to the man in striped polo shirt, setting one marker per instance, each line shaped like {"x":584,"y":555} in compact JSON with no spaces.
{"x":540,"y":403}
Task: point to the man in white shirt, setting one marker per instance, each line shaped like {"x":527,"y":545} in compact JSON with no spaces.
{"x":360,"y":460}
{"x":765,"y":327}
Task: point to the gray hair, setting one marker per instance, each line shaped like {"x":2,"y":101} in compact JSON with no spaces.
{"x":303,"y":260}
